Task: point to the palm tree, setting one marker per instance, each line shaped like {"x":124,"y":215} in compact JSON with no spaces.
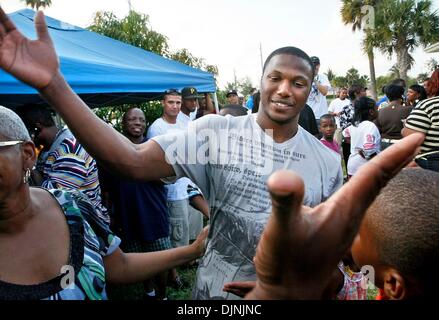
{"x":394,"y":72}
{"x":37,"y":4}
{"x":351,"y":13}
{"x":330,"y":74}
{"x":409,"y":23}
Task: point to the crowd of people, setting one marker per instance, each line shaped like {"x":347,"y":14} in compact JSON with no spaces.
{"x":283,"y":221}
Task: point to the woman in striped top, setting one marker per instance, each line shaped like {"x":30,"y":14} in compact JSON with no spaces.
{"x":425,"y":119}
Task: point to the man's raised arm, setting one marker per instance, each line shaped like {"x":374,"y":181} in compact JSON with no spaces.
{"x":35,"y":63}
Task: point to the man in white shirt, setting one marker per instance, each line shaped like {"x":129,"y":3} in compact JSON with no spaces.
{"x":189,"y":104}
{"x":319,"y":90}
{"x":335,"y":108}
{"x":177,"y":195}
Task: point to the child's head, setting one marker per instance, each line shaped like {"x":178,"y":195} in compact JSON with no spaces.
{"x":365,"y":109}
{"x":399,"y":236}
{"x":327,"y":126}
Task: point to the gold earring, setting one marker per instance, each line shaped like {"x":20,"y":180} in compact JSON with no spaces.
{"x":26,"y":176}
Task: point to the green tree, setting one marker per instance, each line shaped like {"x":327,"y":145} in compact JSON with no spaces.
{"x":231,"y":86}
{"x":387,"y":79}
{"x":245,"y":86}
{"x":113,"y":114}
{"x":354,"y":77}
{"x":383,"y":81}
{"x":422,"y":76}
{"x":354,"y":12}
{"x":133,"y":29}
{"x":394,"y":72}
{"x":330,"y":74}
{"x":184,"y":56}
{"x":339,"y":81}
{"x":37,"y":4}
{"x":408,"y":24}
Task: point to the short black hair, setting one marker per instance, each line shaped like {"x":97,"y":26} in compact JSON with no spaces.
{"x":394,"y":92}
{"x":399,"y":82}
{"x":293,"y":51}
{"x":125,"y":115}
{"x":362,"y":107}
{"x":354,"y":90}
{"x":404,"y":223}
{"x":31,"y":114}
{"x":420,"y":90}
{"x":171,"y":92}
{"x":328,"y":116}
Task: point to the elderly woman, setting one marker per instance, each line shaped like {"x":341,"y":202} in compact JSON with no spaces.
{"x":52,"y":243}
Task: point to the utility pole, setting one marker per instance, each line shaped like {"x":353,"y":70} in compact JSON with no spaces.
{"x":260,"y":52}
{"x":129,"y":5}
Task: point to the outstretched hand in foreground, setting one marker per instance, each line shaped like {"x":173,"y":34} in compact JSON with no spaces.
{"x":301,"y":247}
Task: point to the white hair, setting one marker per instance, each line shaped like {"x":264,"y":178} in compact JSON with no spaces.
{"x":11,"y":126}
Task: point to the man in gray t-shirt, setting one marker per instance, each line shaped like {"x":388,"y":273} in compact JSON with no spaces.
{"x":231,"y":158}
{"x":231,"y":169}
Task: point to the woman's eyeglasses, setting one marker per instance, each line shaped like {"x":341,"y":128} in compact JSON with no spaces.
{"x":10,"y":143}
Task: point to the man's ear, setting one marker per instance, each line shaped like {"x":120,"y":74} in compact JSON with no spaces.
{"x":395,"y":286}
{"x":29,"y":154}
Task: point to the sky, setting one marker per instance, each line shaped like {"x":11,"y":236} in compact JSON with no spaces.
{"x":231,"y":33}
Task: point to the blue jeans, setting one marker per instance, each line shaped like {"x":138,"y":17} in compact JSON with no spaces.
{"x":429,"y":162}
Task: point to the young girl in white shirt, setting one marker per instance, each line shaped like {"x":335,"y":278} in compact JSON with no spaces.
{"x":364,"y":135}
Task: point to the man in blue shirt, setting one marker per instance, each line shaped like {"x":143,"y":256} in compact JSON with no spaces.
{"x":139,"y":211}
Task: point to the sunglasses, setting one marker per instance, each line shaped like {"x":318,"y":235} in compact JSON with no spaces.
{"x":10,"y":143}
{"x":169,"y":91}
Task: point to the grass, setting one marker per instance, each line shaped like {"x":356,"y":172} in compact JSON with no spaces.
{"x":187,"y":275}
{"x":135,"y":291}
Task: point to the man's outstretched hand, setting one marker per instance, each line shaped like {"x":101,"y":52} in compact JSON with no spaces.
{"x":32,"y":61}
{"x":300,"y":247}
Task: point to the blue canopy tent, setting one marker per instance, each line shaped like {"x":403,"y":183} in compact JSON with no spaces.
{"x":103,"y":71}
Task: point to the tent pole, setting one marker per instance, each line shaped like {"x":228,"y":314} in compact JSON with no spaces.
{"x":215,"y":101}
